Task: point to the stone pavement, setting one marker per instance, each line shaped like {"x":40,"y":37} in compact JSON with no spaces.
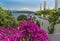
{"x":54,"y":37}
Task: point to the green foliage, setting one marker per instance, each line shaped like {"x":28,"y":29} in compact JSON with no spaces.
{"x":22,"y":17}
{"x":38,"y":23}
{"x":38,"y":13}
{"x":51,"y":30}
{"x":6,"y":18}
{"x":44,"y":12}
{"x":58,"y":8}
{"x":53,"y":20}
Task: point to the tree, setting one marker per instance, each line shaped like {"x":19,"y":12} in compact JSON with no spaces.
{"x":38,"y":13}
{"x":22,"y":17}
{"x":44,"y":12}
{"x":5,"y":17}
{"x":53,"y":20}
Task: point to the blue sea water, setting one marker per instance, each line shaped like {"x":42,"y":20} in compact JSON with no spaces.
{"x":15,"y":15}
{"x":18,"y":14}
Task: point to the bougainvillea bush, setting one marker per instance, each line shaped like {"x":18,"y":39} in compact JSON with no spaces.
{"x":27,"y":31}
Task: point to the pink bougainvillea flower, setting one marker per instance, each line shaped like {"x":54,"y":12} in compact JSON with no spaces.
{"x":27,"y":30}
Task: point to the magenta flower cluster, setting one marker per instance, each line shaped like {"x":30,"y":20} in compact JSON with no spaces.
{"x":27,"y":31}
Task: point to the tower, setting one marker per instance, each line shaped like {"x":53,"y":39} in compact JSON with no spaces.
{"x":40,"y":6}
{"x":44,"y":4}
{"x":56,"y":4}
{"x":48,"y":7}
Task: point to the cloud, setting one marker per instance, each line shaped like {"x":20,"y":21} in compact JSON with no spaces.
{"x":32,"y":5}
{"x":23,"y":9}
{"x":30,"y":9}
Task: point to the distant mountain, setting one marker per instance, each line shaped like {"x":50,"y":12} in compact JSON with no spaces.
{"x":14,"y":11}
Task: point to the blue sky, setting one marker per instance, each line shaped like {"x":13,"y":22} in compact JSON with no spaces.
{"x":25,"y":4}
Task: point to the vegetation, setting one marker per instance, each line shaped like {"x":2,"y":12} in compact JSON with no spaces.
{"x":22,"y":18}
{"x":6,"y":18}
{"x":53,"y":18}
{"x":38,"y":23}
{"x":25,"y":32}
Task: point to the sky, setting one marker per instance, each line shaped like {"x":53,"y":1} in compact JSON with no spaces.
{"x":32,"y":5}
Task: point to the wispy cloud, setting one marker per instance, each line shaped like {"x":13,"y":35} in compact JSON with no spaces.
{"x":24,"y":9}
{"x":29,"y":9}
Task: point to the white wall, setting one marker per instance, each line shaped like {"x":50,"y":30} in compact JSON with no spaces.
{"x":46,"y":24}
